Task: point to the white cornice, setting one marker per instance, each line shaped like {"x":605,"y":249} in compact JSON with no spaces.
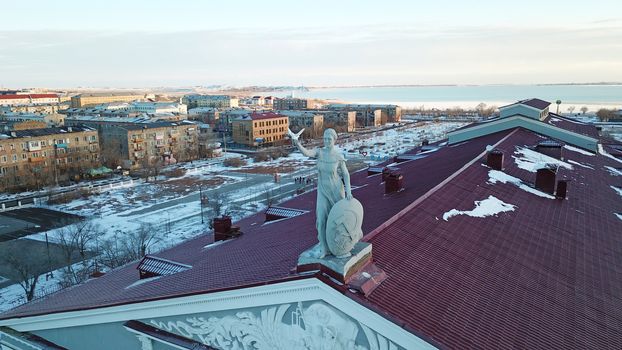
{"x":286,"y":292}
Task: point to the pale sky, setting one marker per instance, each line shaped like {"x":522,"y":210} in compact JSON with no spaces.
{"x":134,"y":43}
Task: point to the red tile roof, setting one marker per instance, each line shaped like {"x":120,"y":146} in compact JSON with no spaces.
{"x":16,"y":97}
{"x":572,"y":125}
{"x":263,"y":253}
{"x":546,"y":275}
{"x":535,"y":103}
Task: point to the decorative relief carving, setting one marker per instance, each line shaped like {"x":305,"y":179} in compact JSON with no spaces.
{"x":316,"y":327}
{"x":145,"y":342}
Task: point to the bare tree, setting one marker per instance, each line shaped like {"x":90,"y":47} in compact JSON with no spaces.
{"x":605,"y":114}
{"x":217,"y":204}
{"x":583,"y":109}
{"x":571,"y":109}
{"x":126,"y":247}
{"x":75,"y":241}
{"x":26,"y":267}
{"x":138,"y":243}
{"x":481,"y":109}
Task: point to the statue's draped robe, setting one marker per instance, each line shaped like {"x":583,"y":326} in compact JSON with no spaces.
{"x":330,"y":188}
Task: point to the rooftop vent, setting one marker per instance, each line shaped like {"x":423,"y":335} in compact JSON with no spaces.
{"x":278,"y":213}
{"x":551,"y":148}
{"x":562,"y":189}
{"x":152,"y":266}
{"x":373,"y":170}
{"x":495,"y":159}
{"x":405,"y":157}
{"x":545,"y":178}
{"x":393,"y":182}
{"x":223,"y":229}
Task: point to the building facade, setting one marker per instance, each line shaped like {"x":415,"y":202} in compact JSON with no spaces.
{"x":36,"y":108}
{"x":30,"y":159}
{"x":388,"y":113}
{"x":28,"y":99}
{"x":311,"y":122}
{"x":340,"y":120}
{"x":52,"y":120}
{"x":85,"y":100}
{"x":216,"y":101}
{"x":258,"y":129}
{"x":290,"y":103}
{"x":158,"y":107}
{"x":149,"y":145}
{"x":209,"y":115}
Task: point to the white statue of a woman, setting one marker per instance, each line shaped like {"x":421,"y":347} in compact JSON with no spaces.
{"x":331,"y":166}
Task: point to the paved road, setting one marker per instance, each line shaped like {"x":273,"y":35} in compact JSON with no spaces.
{"x":23,"y":222}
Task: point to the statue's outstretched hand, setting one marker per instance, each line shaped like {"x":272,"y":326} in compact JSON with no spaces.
{"x":294,"y":137}
{"x":349,"y":194}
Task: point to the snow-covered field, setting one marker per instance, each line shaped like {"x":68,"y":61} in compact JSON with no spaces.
{"x":172,"y":205}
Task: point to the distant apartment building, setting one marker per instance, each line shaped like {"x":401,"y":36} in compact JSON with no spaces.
{"x":209,"y":115}
{"x":388,"y":113}
{"x":268,"y":101}
{"x":85,"y":100}
{"x":12,"y":125}
{"x":216,"y":101}
{"x":158,"y":107}
{"x":30,"y":159}
{"x":135,"y":146}
{"x":312,"y":122}
{"x":50,"y":108}
{"x":226,"y":117}
{"x":290,"y":103}
{"x":210,"y":144}
{"x":258,"y":129}
{"x":340,"y":120}
{"x":28,"y":99}
{"x":51,"y":120}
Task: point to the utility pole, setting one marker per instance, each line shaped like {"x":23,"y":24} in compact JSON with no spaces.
{"x":47,"y":244}
{"x":201,"y":201}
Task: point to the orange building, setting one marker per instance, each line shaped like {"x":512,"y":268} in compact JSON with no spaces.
{"x":258,"y":129}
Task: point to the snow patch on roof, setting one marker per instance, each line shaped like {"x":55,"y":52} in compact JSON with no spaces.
{"x":617,"y":189}
{"x":578,"y":150}
{"x":532,"y":161}
{"x":495,"y":176}
{"x":579,"y":164}
{"x":613,"y":171}
{"x":602,"y":151}
{"x":619,"y":216}
{"x":487,"y":207}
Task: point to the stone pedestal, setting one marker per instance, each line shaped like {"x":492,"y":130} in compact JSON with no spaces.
{"x":340,"y":268}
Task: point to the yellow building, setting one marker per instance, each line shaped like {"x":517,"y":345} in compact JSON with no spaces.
{"x":96,"y":99}
{"x":259,"y":129}
{"x":30,"y":159}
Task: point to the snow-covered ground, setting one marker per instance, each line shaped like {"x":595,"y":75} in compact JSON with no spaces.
{"x":172,"y":205}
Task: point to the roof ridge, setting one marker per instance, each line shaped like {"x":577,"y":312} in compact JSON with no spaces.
{"x":423,"y":197}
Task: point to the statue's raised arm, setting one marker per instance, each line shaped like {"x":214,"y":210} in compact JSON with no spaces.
{"x":296,"y":142}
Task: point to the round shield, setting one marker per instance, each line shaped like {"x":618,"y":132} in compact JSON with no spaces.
{"x":343,"y":227}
